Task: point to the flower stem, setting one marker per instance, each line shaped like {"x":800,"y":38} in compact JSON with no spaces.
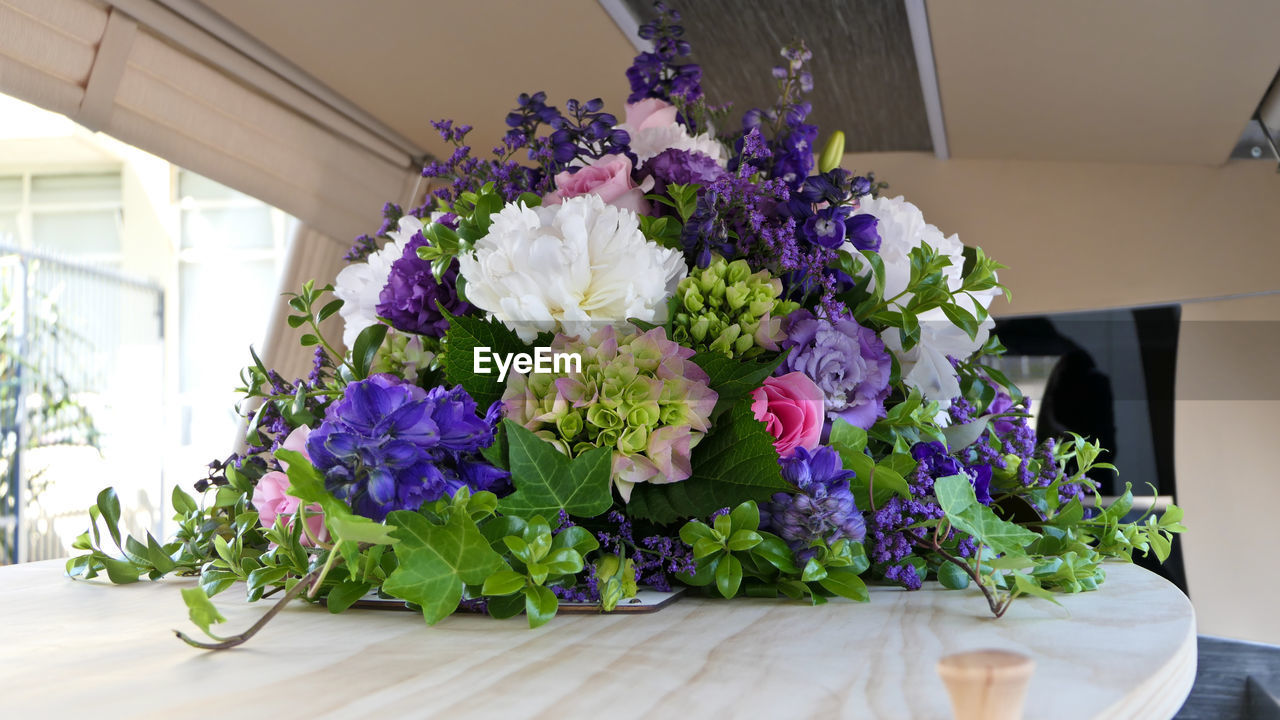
{"x":235,"y":640}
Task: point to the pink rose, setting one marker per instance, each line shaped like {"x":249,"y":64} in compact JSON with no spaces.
{"x":271,"y":498}
{"x":609,"y":177}
{"x":791,"y":407}
{"x":650,"y":113}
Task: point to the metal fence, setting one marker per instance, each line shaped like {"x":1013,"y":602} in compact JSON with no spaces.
{"x":81,"y":396}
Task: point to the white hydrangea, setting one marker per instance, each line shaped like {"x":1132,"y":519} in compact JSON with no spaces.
{"x":569,"y":268}
{"x":902,"y":228}
{"x":358,"y":285}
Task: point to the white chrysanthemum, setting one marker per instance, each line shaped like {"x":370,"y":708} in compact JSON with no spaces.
{"x":648,"y":142}
{"x":903,"y":228}
{"x":568,"y":268}
{"x":358,"y":285}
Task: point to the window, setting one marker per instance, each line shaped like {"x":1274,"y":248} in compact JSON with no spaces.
{"x":77,"y":216}
{"x":230,"y":253}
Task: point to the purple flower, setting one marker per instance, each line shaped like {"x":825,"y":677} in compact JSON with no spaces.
{"x":823,"y":510}
{"x":409,"y":299}
{"x":863,"y":231}
{"x":682,"y":167}
{"x":934,"y":463}
{"x":827,"y":226}
{"x":390,"y":445}
{"x":847,"y":361}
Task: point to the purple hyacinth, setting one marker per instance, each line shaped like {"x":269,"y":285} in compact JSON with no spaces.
{"x":846,"y":360}
{"x":412,"y":297}
{"x":823,"y":510}
{"x":390,"y":445}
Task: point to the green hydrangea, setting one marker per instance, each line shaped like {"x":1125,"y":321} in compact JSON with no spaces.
{"x":638,"y":393}
{"x":726,"y":308}
{"x":405,"y":354}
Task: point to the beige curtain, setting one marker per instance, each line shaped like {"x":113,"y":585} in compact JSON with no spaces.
{"x":312,"y":256}
{"x":160,"y":92}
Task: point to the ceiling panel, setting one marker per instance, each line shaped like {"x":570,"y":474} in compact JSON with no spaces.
{"x":1136,"y":81}
{"x":864,"y":66}
{"x":409,"y":62}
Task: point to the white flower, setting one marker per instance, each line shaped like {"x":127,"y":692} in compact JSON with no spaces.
{"x":653,"y":128}
{"x":358,"y":285}
{"x":568,"y":268}
{"x":903,"y":228}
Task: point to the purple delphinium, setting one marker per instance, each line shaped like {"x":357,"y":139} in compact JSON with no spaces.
{"x":412,"y":297}
{"x":658,"y":74}
{"x":823,"y":509}
{"x":847,"y":361}
{"x":390,"y":445}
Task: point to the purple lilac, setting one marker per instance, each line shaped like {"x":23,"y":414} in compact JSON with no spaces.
{"x":412,"y":298}
{"x":847,"y":361}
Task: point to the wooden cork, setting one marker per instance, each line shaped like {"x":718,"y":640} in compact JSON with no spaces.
{"x":986,"y":684}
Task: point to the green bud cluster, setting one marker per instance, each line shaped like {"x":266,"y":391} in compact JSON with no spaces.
{"x":405,"y":354}
{"x":726,"y":308}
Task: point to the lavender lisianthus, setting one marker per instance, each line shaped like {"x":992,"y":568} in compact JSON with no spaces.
{"x":847,"y":361}
{"x":409,"y":299}
{"x":822,"y":510}
{"x":390,"y":445}
{"x":682,"y":167}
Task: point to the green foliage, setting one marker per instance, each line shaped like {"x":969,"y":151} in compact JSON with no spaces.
{"x":201,"y":610}
{"x":735,"y":462}
{"x":733,"y":379}
{"x":438,"y":556}
{"x":538,"y":560}
{"x":733,"y":554}
{"x":547,"y":481}
{"x":465,"y":334}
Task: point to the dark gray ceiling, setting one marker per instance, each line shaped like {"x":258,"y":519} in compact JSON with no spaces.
{"x":864,"y":67}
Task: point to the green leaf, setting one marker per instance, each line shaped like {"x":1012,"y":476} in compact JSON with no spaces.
{"x":956,"y":497}
{"x":847,"y":438}
{"x":962,"y":436}
{"x":345,"y":594}
{"x":329,"y":309}
{"x":1029,"y":586}
{"x":504,"y":582}
{"x":201,"y":610}
{"x":159,"y":559}
{"x":744,"y":540}
{"x":109,"y":505}
{"x":952,"y":577}
{"x":436,"y":560}
{"x":465,"y":334}
{"x":845,"y":584}
{"x":734,"y":463}
{"x":813,"y":570}
{"x":366,"y":346}
{"x":745,"y":517}
{"x":564,"y":562}
{"x":774,"y":550}
{"x":547,"y":481}
{"x":728,"y":576}
{"x":540,"y":605}
{"x":182,"y":502}
{"x":733,"y":379}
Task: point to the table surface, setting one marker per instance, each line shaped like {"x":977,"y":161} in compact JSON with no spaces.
{"x":68,"y":646}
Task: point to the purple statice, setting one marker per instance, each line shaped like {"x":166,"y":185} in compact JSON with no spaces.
{"x":659,"y":73}
{"x":656,"y":558}
{"x":462,"y":172}
{"x":681,"y":167}
{"x":412,"y":298}
{"x":822,"y":510}
{"x":366,"y":245}
{"x":892,"y":530}
{"x":847,"y":361}
{"x":390,"y":445}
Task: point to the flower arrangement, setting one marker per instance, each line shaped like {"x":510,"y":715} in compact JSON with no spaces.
{"x":764,"y":376}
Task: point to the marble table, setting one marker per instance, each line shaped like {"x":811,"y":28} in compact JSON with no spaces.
{"x":71,"y":648}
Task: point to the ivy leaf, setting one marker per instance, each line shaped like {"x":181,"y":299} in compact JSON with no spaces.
{"x":955,"y":495}
{"x":201,"y":610}
{"x":436,"y":560}
{"x":465,"y":334}
{"x":962,"y":436}
{"x":734,"y":463}
{"x":547,"y":481}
